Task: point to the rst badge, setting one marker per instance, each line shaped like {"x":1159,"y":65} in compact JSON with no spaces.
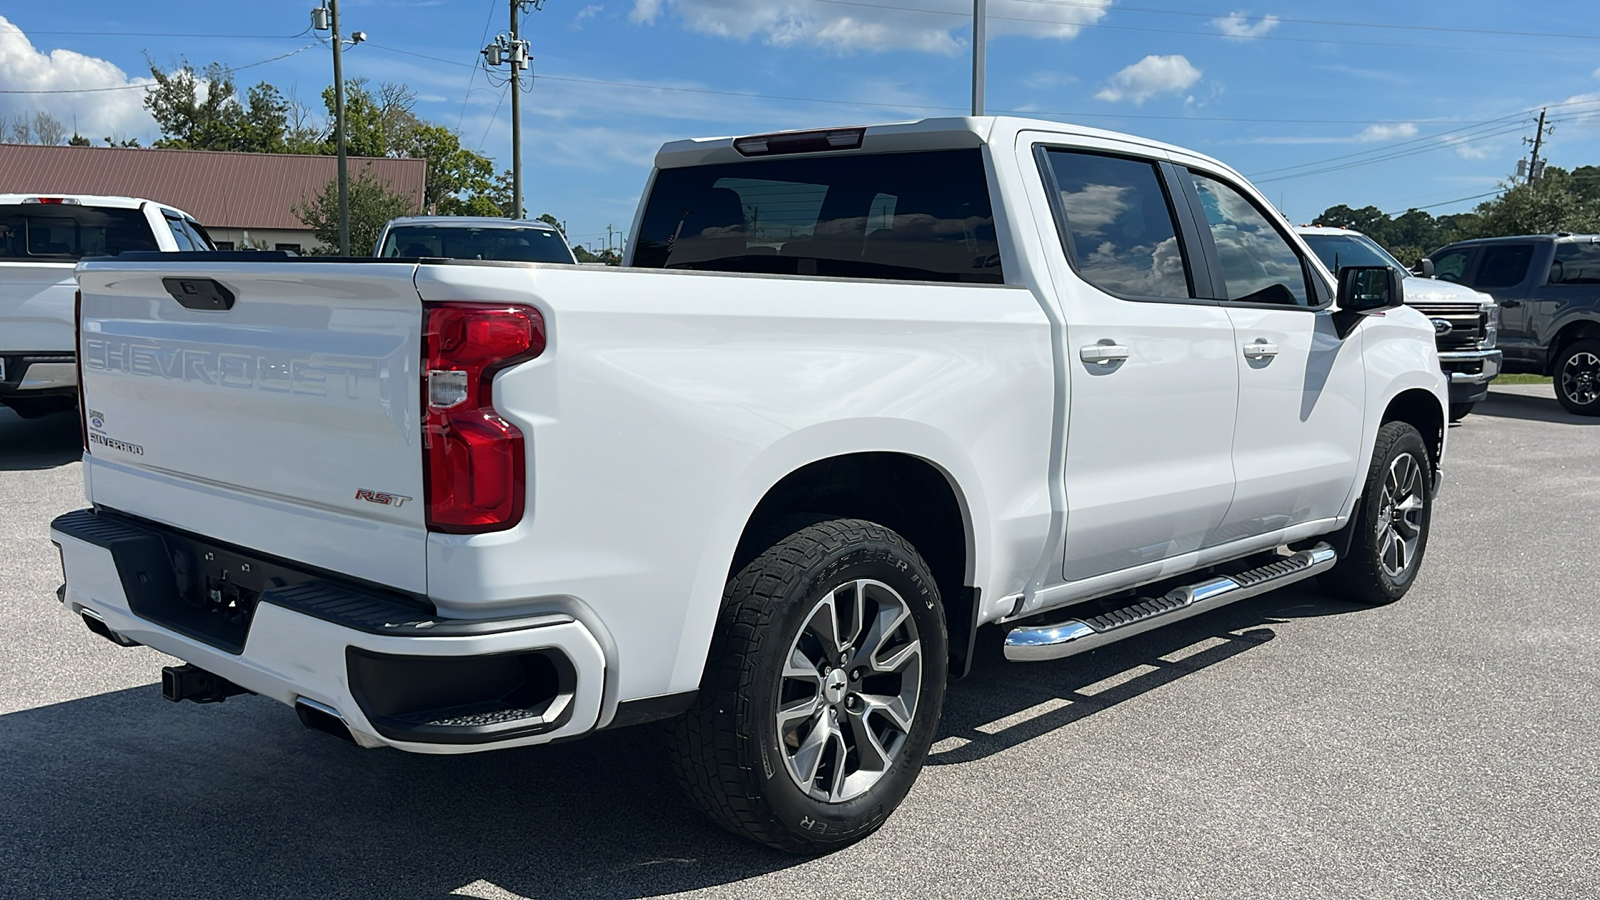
{"x":380,"y":497}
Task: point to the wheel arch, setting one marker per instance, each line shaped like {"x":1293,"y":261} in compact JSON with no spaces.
{"x":1575,"y":330}
{"x":1421,"y":409}
{"x":910,"y":494}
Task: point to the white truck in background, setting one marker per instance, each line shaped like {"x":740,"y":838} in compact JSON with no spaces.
{"x":42,"y":237}
{"x":856,"y":393}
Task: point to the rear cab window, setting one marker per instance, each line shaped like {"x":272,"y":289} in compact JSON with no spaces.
{"x":922,"y":216}
{"x":67,"y":232}
{"x":512,"y":244}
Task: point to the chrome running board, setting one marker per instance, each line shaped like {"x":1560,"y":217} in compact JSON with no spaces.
{"x":1040,"y":642}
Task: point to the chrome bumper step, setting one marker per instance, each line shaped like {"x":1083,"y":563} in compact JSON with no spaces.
{"x":1033,"y":643}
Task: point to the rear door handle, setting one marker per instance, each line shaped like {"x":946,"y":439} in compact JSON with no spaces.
{"x":1510,"y":304}
{"x":1260,"y":350}
{"x":1104,"y":354}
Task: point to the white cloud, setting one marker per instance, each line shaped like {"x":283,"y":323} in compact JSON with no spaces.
{"x":1386,"y":132}
{"x":96,"y":115}
{"x":1239,"y":27}
{"x":1148,"y":77}
{"x":585,"y":14}
{"x":936,"y":26}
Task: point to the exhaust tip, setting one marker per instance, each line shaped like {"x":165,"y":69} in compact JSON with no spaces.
{"x":321,"y":717}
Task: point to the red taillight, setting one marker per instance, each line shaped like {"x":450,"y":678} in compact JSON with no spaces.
{"x":474,"y":459}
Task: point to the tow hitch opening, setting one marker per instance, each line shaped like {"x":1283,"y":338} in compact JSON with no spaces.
{"x":188,"y":682}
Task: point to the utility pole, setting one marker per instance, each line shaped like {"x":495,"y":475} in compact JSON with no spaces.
{"x":980,"y":21}
{"x":513,"y":50}
{"x":326,"y":18}
{"x":1535,"y":165}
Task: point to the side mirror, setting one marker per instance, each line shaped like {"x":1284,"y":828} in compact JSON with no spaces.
{"x":1365,"y":291}
{"x":1423,"y":268}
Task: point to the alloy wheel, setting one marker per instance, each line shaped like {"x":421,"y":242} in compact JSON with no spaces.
{"x":1580,"y":378}
{"x":849,"y":690}
{"x":1400,"y":511}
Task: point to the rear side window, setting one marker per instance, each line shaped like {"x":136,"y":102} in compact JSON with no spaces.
{"x":1576,"y":264}
{"x":1120,"y":226}
{"x":65,"y":232}
{"x":1502,"y":266}
{"x":912,"y":216}
{"x":181,"y":234}
{"x":1258,"y":263}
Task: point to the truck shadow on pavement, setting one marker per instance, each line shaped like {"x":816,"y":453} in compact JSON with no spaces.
{"x":38,"y":443}
{"x":126,"y":795}
{"x":1506,"y":405}
{"x":1001,"y":705}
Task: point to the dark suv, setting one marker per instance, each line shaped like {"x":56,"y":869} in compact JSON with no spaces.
{"x":1548,"y":286}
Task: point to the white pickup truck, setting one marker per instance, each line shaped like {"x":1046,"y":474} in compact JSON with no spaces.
{"x":41,"y":240}
{"x":857,"y":393}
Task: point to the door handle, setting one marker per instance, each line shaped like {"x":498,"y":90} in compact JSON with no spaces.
{"x":1104,"y":354}
{"x":1510,"y":304}
{"x":1260,"y":350}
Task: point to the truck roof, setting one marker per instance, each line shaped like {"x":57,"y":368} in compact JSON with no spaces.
{"x":1558,"y":237}
{"x":83,"y":199}
{"x":470,"y":222}
{"x":924,"y":134}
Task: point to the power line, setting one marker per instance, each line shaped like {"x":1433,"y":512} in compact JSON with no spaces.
{"x":489,"y":19}
{"x":183,"y":34}
{"x":1445,"y":203}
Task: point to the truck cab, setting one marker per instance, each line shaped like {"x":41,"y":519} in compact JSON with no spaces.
{"x":42,"y":237}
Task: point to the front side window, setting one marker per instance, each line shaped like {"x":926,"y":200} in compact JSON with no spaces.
{"x":911,"y":216}
{"x":1258,"y":263}
{"x":1502,"y":266}
{"x":1120,"y":225}
{"x":66,"y":232}
{"x":1451,"y":265}
{"x":1576,"y":264}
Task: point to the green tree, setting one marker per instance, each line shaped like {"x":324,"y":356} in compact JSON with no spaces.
{"x":376,"y":122}
{"x":200,"y":110}
{"x":77,"y":140}
{"x":1552,"y":202}
{"x":459,"y":182}
{"x":372,"y":203}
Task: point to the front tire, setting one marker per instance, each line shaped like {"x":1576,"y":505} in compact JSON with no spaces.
{"x":822,"y":690}
{"x":1577,"y":377}
{"x":1391,"y":531}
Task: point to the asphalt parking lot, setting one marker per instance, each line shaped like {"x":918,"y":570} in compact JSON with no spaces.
{"x":1286,"y":746}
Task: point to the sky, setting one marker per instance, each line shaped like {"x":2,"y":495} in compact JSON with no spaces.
{"x":1433,"y":100}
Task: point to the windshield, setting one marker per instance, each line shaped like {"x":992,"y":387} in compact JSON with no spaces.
{"x":511,"y":243}
{"x":1338,"y":250}
{"x":66,"y":232}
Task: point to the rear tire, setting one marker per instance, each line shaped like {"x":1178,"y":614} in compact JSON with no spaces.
{"x":822,"y":690}
{"x":1459,"y":411}
{"x":1391,"y":532}
{"x":1577,"y":377}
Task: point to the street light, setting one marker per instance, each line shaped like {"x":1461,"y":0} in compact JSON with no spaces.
{"x":326,"y":18}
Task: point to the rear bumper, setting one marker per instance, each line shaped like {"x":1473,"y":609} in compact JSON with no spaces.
{"x":395,"y":674}
{"x":37,"y":374}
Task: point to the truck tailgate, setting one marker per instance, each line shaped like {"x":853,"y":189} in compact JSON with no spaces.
{"x":286,"y":422}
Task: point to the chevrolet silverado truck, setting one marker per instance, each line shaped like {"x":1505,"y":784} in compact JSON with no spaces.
{"x":1466,"y":322}
{"x":1549,"y":288}
{"x":41,"y":240}
{"x":857,"y":393}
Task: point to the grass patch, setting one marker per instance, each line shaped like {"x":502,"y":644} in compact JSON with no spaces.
{"x":1523,"y":379}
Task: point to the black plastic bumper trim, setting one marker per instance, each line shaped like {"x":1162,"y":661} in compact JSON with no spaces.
{"x":144,"y":555}
{"x":651,"y":709}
